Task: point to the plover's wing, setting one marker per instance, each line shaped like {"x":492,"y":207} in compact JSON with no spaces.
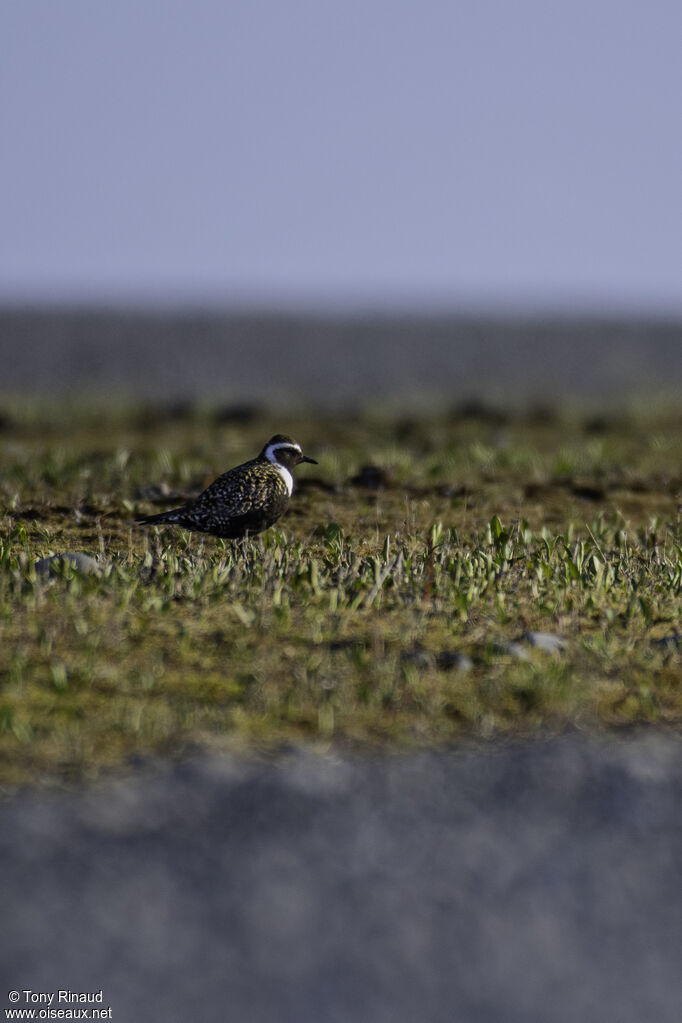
{"x":241,"y":490}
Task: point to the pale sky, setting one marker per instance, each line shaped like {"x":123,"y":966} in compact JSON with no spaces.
{"x":482,"y":153}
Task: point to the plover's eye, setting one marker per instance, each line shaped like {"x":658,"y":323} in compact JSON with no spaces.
{"x":275,"y":451}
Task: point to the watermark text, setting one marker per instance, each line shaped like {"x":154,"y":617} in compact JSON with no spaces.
{"x":60,"y":1004}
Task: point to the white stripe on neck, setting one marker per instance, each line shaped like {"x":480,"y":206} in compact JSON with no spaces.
{"x":271,"y":455}
{"x":286,"y":476}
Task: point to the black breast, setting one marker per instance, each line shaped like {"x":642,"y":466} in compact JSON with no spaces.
{"x":255,"y":520}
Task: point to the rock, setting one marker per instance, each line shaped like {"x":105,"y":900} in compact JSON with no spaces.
{"x":448,"y":659}
{"x":516,"y":650}
{"x":669,"y":643}
{"x":419,"y":657}
{"x":546,"y":641}
{"x":83,"y":563}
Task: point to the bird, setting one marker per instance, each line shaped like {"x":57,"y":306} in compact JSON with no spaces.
{"x":245,"y":500}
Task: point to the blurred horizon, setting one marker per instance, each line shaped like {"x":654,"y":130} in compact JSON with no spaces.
{"x":340,"y":308}
{"x":345,"y":361}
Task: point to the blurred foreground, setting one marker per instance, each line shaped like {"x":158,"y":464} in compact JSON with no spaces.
{"x":518,"y":884}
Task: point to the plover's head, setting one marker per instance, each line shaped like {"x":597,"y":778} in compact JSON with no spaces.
{"x":282,"y":450}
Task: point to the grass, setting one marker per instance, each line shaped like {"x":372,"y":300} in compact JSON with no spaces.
{"x":389,"y":606}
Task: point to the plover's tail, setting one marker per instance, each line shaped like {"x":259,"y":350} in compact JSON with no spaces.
{"x":174,"y":515}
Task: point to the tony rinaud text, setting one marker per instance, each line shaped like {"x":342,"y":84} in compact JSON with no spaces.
{"x":63,"y":995}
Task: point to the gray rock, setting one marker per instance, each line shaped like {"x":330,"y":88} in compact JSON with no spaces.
{"x":546,"y":641}
{"x":84,"y":563}
{"x":419,"y":657}
{"x":669,"y":644}
{"x":449,"y":659}
{"x":517,"y":650}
